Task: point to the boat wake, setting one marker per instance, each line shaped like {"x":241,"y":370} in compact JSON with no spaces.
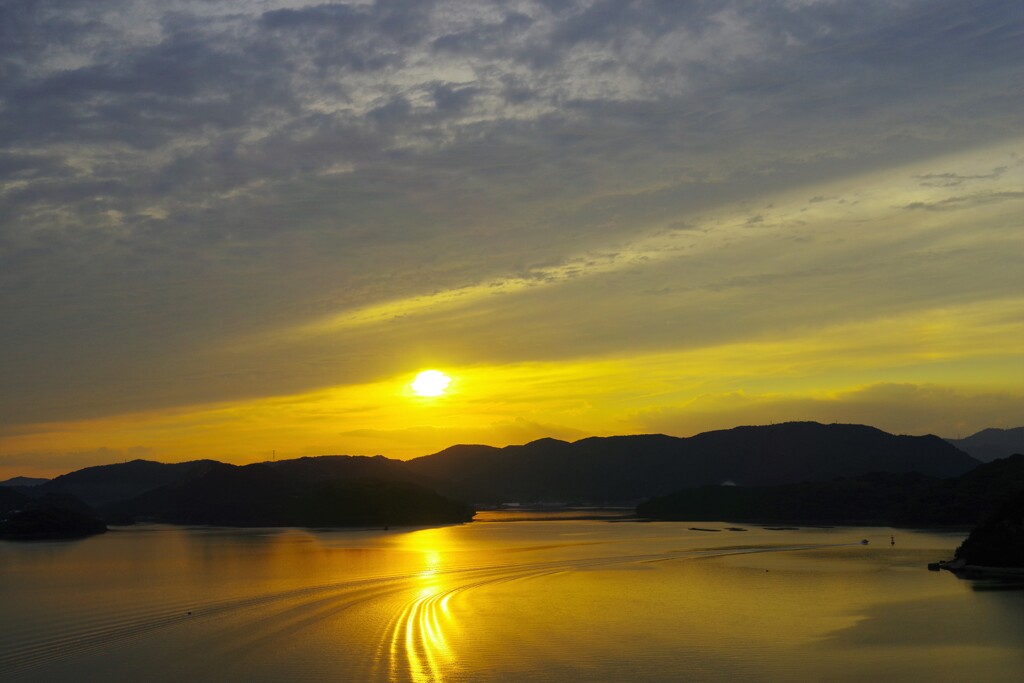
{"x":413,"y":644}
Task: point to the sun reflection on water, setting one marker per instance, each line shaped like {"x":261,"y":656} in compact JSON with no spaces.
{"x":418,"y":646}
{"x":432,"y":560}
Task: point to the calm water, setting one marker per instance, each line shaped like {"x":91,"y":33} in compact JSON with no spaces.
{"x":501,"y":600}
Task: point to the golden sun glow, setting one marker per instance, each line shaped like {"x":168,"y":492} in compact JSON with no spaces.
{"x":430,"y":383}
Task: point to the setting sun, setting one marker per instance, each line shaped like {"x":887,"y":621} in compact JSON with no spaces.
{"x":430,"y":383}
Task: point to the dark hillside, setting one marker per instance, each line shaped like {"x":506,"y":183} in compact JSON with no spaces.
{"x":990,"y":444}
{"x":875,"y":498}
{"x":999,"y":540}
{"x":340,"y":468}
{"x":900,"y":499}
{"x":105,"y":484}
{"x":966,"y":499}
{"x":626,"y":469}
{"x":23,"y":481}
{"x":262,"y":495}
{"x":53,"y":516}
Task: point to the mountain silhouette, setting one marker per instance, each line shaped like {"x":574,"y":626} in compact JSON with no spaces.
{"x":627,"y":469}
{"x":992,"y":443}
{"x":23,"y":481}
{"x":104,"y":484}
{"x":337,"y":490}
{"x":51,"y":516}
{"x":342,"y":468}
{"x":266,"y":494}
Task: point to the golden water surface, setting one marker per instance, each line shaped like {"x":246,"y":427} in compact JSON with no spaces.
{"x":522,"y":597}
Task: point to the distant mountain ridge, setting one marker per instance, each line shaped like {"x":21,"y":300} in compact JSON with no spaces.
{"x":990,"y":444}
{"x":619,"y":470}
{"x":627,"y":469}
{"x":104,"y":484}
{"x":23,"y":481}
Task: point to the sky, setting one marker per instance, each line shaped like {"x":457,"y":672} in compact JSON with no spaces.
{"x":238,"y":230}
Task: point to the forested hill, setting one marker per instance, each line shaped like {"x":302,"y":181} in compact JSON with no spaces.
{"x":900,"y":499}
{"x":336,"y":490}
{"x":264,"y":495}
{"x":625,"y":469}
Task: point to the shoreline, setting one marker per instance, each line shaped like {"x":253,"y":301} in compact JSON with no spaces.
{"x":963,"y":570}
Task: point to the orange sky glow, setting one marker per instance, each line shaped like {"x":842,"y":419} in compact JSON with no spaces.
{"x":671,"y":224}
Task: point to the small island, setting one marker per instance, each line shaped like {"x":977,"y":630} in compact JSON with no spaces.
{"x":995,"y":547}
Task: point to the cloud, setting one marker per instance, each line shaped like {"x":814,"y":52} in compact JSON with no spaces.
{"x":966,"y":201}
{"x":949,"y":179}
{"x":179,"y":179}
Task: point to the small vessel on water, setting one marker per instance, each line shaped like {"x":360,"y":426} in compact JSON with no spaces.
{"x":863,"y":541}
